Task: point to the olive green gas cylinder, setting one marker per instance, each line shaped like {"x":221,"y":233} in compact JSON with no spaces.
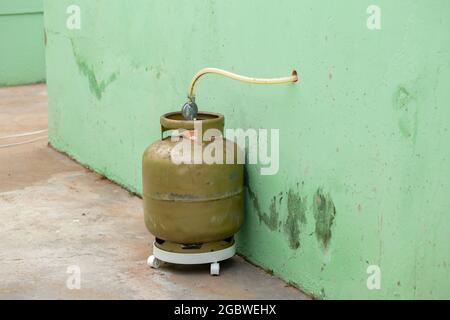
{"x":192,"y":203}
{"x":193,"y":183}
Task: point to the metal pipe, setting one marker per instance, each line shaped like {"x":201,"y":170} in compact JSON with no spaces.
{"x":290,"y":79}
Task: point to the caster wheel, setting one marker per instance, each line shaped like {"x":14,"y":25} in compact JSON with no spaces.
{"x":215,"y":269}
{"x":153,"y":262}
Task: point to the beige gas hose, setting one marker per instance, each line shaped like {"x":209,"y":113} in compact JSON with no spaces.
{"x":190,"y":109}
{"x":290,"y":79}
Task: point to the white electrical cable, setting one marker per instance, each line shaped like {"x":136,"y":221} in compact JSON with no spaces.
{"x":21,"y":143}
{"x":25,"y":134}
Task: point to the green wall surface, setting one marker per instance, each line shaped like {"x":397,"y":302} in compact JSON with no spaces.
{"x":364,"y":138}
{"x":22,"y":48}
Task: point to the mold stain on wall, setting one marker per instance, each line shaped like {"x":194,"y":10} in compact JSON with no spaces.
{"x":269,"y":219}
{"x":296,"y":217}
{"x":296,"y":207}
{"x":324,"y":214}
{"x":96,"y":87}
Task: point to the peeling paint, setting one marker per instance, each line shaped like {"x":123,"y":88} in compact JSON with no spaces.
{"x":324,"y":213}
{"x":296,"y":216}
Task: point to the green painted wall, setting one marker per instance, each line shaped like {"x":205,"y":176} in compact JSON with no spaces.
{"x":22,"y":52}
{"x":364,"y":176}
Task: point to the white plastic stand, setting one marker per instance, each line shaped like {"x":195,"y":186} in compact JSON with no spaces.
{"x":213,"y":258}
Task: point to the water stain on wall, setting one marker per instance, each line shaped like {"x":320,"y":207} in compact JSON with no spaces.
{"x":296,"y":217}
{"x":96,"y":87}
{"x":324,"y":214}
{"x":269,"y":219}
{"x":405,"y":105}
{"x":323,"y":209}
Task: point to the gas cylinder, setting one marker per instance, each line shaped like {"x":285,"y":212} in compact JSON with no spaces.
{"x":193,"y":205}
{"x":193,"y":183}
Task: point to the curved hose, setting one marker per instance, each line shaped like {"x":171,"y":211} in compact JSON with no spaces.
{"x":290,"y":79}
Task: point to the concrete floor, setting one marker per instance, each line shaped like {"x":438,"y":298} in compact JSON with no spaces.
{"x":55,"y":214}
